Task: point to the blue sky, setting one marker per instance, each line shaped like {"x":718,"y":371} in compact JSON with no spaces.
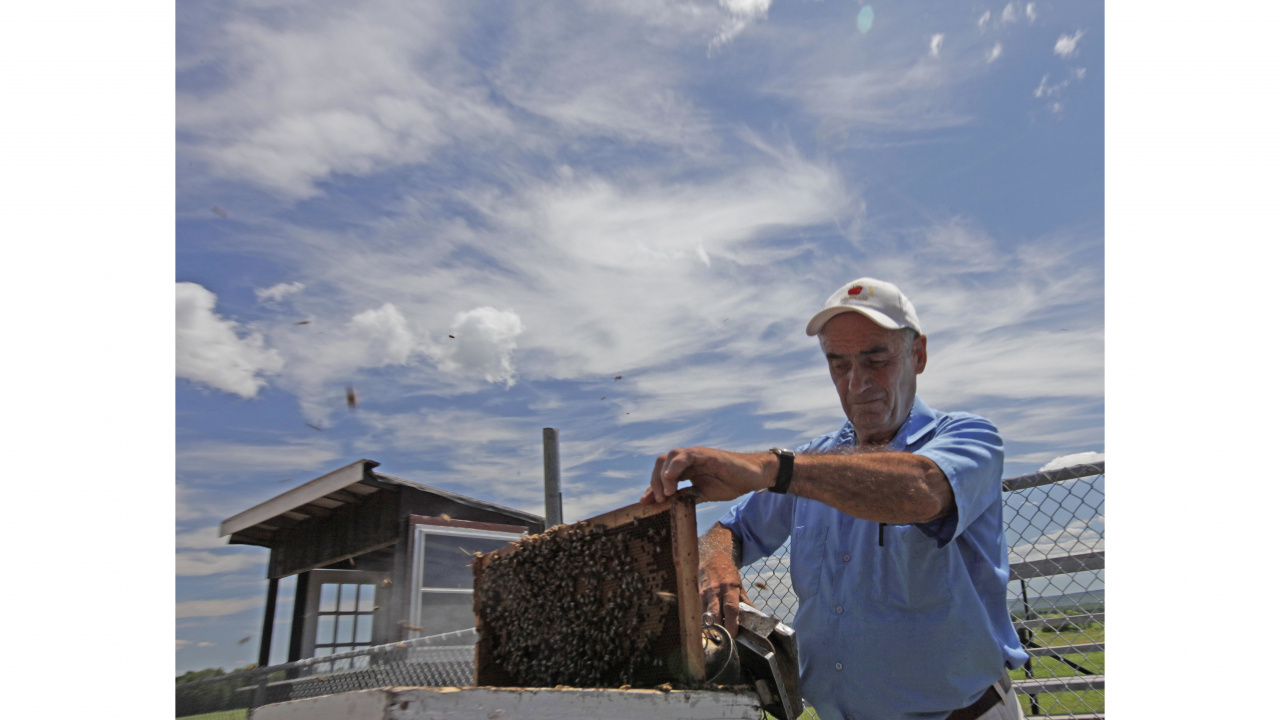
{"x":662,"y":191}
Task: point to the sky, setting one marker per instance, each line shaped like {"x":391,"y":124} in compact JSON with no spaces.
{"x":611,"y":218}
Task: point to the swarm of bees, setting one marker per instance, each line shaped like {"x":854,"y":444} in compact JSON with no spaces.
{"x":582,"y":606}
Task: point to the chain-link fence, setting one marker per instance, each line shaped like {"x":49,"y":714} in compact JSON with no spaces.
{"x":446,"y":660}
{"x":1054,"y":528}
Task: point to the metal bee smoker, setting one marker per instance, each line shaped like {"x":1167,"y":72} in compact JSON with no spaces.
{"x":762,"y":655}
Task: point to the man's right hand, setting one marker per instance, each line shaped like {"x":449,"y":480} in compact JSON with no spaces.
{"x":720,"y":585}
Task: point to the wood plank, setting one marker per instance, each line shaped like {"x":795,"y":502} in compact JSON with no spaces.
{"x":684,"y":548}
{"x":1057,"y":565}
{"x":469,"y":524}
{"x":1077,"y":683}
{"x":512,"y":703}
{"x":1076,"y":649}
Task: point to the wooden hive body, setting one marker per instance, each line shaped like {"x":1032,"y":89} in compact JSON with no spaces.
{"x":609,"y":601}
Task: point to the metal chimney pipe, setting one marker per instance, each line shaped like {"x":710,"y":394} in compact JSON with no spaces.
{"x":551,"y":475}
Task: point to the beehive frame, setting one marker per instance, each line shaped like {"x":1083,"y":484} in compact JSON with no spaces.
{"x":682,"y":521}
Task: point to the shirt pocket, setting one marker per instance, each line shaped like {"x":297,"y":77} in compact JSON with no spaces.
{"x":911,"y":571}
{"x":808,"y":543}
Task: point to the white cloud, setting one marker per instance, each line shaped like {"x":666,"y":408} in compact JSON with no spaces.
{"x":935,"y":44}
{"x":205,"y":538}
{"x":204,"y":644}
{"x":224,"y":457}
{"x":482,"y":343}
{"x":216,"y":608}
{"x":1044,"y":89}
{"x":1073,"y":459}
{"x":278,"y":292}
{"x":349,"y":90}
{"x":182,"y":643}
{"x":210,"y":350}
{"x":982,"y":21}
{"x":1031,"y":11}
{"x":198,"y":563}
{"x":1010,"y":14}
{"x":1066,"y":45}
{"x":742,"y":13}
{"x":995,"y":52}
{"x":385,"y":334}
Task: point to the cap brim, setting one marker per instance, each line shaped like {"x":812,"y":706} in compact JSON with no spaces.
{"x":815,"y":325}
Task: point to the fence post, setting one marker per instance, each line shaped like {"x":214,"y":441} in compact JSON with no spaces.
{"x":551,"y":475}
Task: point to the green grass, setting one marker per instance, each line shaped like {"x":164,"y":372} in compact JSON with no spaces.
{"x":1066,"y":703}
{"x":240,"y":714}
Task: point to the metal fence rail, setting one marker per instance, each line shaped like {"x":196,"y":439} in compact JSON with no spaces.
{"x":1054,"y":524}
{"x":444,"y":660}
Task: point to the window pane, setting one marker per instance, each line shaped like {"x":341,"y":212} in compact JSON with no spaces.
{"x":346,"y":628}
{"x":347,"y":603}
{"x":366,"y":598}
{"x":446,"y":561}
{"x":446,"y":612}
{"x":364,"y":628}
{"x":328,"y":597}
{"x":324,"y":630}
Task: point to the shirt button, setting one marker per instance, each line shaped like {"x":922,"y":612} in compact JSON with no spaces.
{"x":839,"y":666}
{"x":846,"y":557}
{"x":839,"y":609}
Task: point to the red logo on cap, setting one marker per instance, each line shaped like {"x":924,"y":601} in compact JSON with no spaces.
{"x":855,"y":289}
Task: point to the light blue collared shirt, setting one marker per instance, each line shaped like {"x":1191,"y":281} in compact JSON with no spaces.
{"x":916,"y":627}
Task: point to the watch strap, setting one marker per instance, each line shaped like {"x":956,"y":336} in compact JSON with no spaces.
{"x":786,"y":463}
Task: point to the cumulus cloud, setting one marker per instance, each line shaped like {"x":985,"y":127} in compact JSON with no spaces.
{"x":385,"y":335}
{"x":278,"y":292}
{"x":483,"y":342}
{"x":1066,"y":45}
{"x":211,"y":351}
{"x":1073,"y":459}
{"x":935,"y":44}
{"x":995,"y":52}
{"x":216,"y":608}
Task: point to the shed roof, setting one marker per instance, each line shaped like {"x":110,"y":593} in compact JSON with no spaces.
{"x":319,"y":497}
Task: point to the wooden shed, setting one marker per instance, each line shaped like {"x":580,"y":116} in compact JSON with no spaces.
{"x":378,"y":558}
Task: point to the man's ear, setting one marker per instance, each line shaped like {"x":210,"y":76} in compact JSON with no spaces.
{"x":920,"y":352}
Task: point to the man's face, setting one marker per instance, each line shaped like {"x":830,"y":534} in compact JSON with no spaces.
{"x":874,"y":372}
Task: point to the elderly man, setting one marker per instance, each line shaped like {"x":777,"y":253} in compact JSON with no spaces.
{"x":898,"y":554}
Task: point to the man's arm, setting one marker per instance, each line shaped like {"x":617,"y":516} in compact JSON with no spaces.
{"x":888,"y":487}
{"x":719,"y":579}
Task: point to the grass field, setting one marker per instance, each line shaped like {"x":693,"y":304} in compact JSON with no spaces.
{"x":222,"y":715}
{"x":1067,"y":703}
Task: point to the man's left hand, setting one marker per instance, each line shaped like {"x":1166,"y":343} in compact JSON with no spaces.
{"x":719,"y":474}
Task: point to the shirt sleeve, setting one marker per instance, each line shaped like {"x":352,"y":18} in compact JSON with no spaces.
{"x":762,"y":521}
{"x":970,"y":452}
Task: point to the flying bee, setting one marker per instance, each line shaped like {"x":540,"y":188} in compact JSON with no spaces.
{"x":315,"y":427}
{"x":244,"y":639}
{"x":303,"y":322}
{"x":219,"y":212}
{"x":353,"y":402}
{"x":762,"y":586}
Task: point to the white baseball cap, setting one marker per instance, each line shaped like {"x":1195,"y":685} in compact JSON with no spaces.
{"x":883,"y":302}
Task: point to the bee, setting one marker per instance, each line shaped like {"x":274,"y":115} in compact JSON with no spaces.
{"x":244,"y":639}
{"x":762,"y":586}
{"x":451,"y":337}
{"x":219,"y":212}
{"x":445,"y":516}
{"x":353,"y":402}
{"x":617,"y":377}
{"x":315,"y":427}
{"x":285,"y":480}
{"x":407,"y":626}
{"x":303,"y":322}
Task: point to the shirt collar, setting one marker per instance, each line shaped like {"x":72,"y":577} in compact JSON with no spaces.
{"x":919,"y":422}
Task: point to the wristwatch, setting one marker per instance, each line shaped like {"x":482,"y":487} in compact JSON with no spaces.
{"x":786,"y":461}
